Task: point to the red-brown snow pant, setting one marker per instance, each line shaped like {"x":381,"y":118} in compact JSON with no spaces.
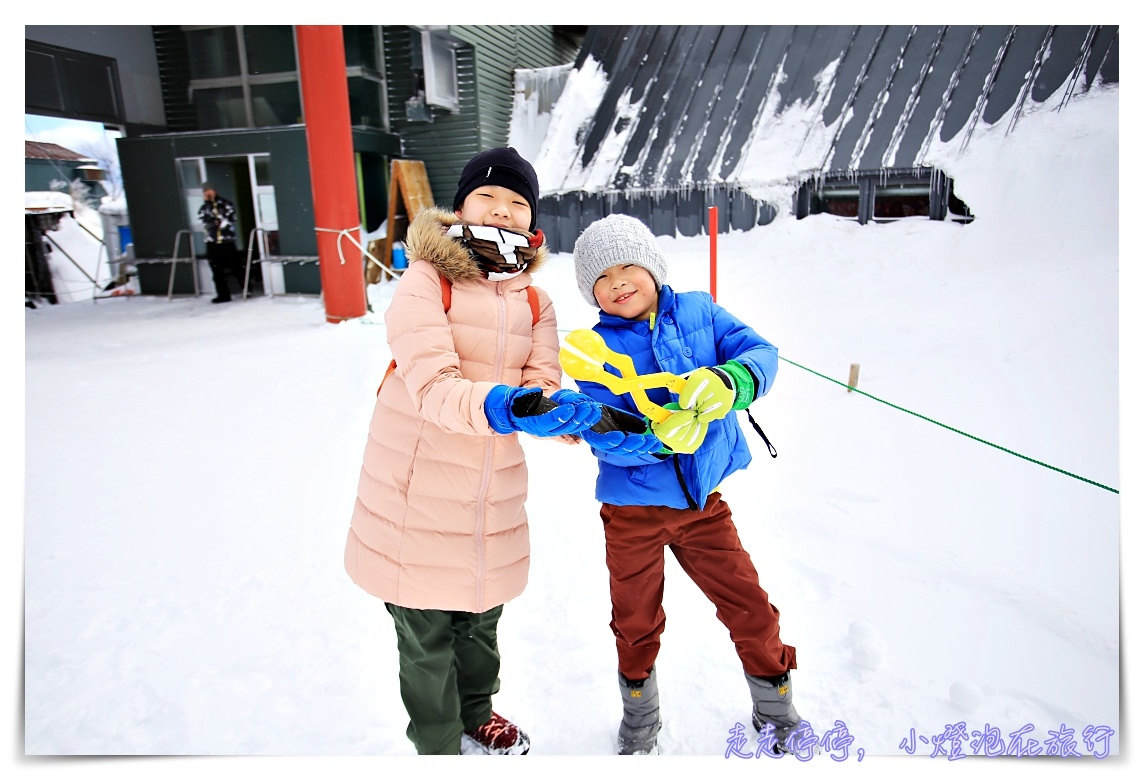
{"x":707,"y":546}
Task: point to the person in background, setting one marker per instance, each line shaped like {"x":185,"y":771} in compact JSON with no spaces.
{"x":219,"y":223}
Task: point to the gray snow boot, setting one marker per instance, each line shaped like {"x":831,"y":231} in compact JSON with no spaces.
{"x":773,"y":704}
{"x":640,"y":724}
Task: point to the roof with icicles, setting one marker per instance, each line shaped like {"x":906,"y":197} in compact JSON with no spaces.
{"x":685,"y":106}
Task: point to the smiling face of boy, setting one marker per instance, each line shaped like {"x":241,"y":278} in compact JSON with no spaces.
{"x":627,"y":291}
{"x":496,"y":206}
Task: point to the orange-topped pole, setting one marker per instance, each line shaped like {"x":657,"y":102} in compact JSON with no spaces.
{"x":333,"y":177}
{"x":712,"y":231}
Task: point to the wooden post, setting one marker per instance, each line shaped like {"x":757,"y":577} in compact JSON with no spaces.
{"x":853,"y":377}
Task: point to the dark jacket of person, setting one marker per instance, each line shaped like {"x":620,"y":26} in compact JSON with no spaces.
{"x":219,"y":218}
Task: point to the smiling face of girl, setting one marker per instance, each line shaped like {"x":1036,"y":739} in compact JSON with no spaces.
{"x":496,"y":206}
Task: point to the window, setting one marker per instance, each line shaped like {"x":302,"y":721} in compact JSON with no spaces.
{"x":221,"y":109}
{"x":361,"y":47}
{"x":244,"y":76}
{"x":69,"y":83}
{"x":883,"y":195}
{"x":269,"y":49}
{"x":898,"y":201}
{"x":247,"y":76}
{"x":439,"y":54}
{"x":839,"y":201}
{"x":365,"y":101}
{"x":276,"y":104}
{"x":214,"y":53}
{"x":364,"y":72}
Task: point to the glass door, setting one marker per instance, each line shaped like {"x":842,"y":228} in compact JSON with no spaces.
{"x":266,"y":221}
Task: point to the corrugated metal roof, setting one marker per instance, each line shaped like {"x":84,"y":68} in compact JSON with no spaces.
{"x":38,"y":150}
{"x":684,"y":105}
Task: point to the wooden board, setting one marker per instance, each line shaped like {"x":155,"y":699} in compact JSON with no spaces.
{"x":408,"y":188}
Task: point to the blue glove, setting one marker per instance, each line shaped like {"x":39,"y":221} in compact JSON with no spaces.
{"x":621,"y":443}
{"x":566,"y":396}
{"x":617,"y":431}
{"x":525,"y":409}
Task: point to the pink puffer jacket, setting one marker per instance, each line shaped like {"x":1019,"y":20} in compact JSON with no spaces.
{"x":439,"y":521}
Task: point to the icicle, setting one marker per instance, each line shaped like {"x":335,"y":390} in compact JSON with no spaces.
{"x":1031,"y":77}
{"x":891,"y":153}
{"x":1081,"y":64}
{"x":989,"y":81}
{"x":954,"y":79}
{"x":847,"y":109}
{"x":879,"y":104}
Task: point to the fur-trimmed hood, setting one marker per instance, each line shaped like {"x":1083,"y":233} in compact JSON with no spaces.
{"x":426,"y":240}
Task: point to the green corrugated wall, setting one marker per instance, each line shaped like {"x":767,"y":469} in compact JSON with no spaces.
{"x":485,"y":68}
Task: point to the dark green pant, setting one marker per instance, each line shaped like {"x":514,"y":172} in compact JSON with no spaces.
{"x":449,"y":667}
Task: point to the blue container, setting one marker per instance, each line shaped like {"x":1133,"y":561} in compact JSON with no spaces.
{"x":125,"y":239}
{"x":399,"y":261}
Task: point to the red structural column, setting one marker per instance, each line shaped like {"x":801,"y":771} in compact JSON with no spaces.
{"x":326,"y":104}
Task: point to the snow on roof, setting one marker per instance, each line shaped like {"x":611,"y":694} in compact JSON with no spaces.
{"x":47,"y":202}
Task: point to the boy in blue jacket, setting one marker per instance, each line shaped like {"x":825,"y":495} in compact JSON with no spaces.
{"x":671,"y":498}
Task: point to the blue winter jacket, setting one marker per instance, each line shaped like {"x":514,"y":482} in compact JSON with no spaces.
{"x":691,"y":331}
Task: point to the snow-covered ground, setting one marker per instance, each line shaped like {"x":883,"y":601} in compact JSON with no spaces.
{"x":189,"y":472}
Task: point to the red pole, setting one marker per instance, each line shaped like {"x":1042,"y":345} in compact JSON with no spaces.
{"x":712,"y":230}
{"x":333,"y":178}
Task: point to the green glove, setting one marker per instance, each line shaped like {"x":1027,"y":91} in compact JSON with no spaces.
{"x":714,"y":392}
{"x":683,"y":431}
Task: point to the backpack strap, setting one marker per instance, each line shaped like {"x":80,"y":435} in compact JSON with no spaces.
{"x":446,"y":293}
{"x":447,"y":302}
{"x":533,"y":303}
{"x":392,"y":367}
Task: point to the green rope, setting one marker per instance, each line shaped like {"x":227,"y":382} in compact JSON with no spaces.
{"x":955,"y":430}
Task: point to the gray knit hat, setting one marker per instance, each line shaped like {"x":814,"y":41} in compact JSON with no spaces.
{"x":616,"y":239}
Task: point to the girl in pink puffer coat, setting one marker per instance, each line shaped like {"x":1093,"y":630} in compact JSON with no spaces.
{"x":439,"y":530}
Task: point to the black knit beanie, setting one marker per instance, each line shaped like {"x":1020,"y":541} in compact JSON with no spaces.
{"x":502,"y":167}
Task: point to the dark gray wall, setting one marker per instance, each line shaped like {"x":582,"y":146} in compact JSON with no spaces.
{"x":150,"y":176}
{"x":133,"y":49}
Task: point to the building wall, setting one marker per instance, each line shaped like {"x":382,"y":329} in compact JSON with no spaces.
{"x":485,"y":68}
{"x":499,"y":50}
{"x":150,"y":175}
{"x":40,"y":174}
{"x":451,"y":138}
{"x":133,"y":49}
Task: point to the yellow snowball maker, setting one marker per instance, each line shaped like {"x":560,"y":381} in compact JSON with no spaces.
{"x":584,"y":356}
